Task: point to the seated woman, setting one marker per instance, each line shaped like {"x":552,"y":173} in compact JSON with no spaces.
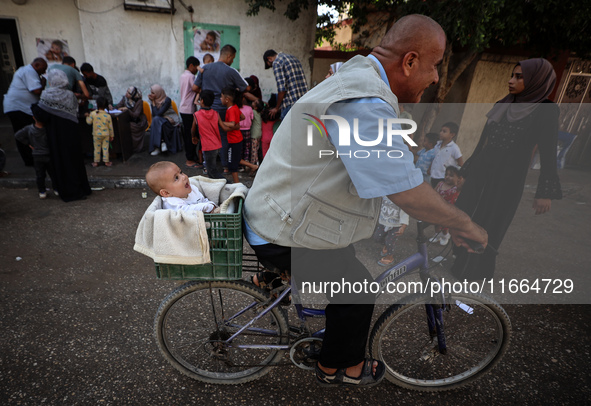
{"x":165,"y":130}
{"x":133,"y":102}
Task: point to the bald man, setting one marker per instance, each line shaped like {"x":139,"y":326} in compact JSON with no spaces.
{"x":316,"y":194}
{"x":25,"y":89}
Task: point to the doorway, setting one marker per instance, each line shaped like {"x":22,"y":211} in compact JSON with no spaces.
{"x":11,"y":57}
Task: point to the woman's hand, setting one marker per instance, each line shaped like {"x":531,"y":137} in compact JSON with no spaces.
{"x":542,"y":206}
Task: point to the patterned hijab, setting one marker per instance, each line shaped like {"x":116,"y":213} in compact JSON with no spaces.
{"x":132,"y":96}
{"x":539,"y":79}
{"x":160,"y":95}
{"x":57,"y":99}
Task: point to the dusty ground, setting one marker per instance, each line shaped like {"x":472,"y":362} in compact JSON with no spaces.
{"x":77,"y":311}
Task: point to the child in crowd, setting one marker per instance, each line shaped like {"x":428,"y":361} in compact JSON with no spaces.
{"x":256,"y":131}
{"x":245,"y":128}
{"x":102,"y":131}
{"x":168,"y":181}
{"x":232,"y":128}
{"x":391,"y":225}
{"x":268,"y":124}
{"x":449,"y":189}
{"x":35,"y":137}
{"x":447,"y":153}
{"x":205,"y":129}
{"x":207,"y":58}
{"x":425,"y":156}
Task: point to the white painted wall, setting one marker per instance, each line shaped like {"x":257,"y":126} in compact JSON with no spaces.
{"x":142,"y":48}
{"x":45,"y":19}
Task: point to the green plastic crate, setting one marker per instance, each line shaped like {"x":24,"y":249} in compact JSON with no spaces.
{"x":225,"y":249}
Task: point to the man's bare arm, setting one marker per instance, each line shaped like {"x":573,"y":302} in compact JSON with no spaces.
{"x":424,"y":203}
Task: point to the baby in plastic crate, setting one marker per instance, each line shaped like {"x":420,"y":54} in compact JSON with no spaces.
{"x":167,"y":180}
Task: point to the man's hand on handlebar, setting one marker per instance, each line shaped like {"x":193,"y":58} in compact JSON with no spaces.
{"x":474,"y":239}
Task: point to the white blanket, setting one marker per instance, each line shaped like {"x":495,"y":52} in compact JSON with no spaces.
{"x":176,"y":237}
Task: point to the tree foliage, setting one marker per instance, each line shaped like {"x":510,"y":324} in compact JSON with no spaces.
{"x":540,"y":27}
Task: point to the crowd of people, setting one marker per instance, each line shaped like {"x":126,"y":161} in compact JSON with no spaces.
{"x":222,"y":117}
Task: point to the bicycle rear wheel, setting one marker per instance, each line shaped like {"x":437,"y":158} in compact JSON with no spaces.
{"x":195,"y":320}
{"x":477,"y":334}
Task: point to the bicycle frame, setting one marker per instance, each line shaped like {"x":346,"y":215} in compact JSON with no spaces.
{"x":419,"y":260}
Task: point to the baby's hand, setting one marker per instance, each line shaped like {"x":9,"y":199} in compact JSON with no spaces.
{"x":86,"y":114}
{"x":111,"y":138}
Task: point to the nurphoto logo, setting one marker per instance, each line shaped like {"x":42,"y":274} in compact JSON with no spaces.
{"x":393,"y":127}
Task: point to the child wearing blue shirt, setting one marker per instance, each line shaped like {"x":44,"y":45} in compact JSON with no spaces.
{"x":426,"y":155}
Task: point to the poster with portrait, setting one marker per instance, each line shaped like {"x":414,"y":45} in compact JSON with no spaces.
{"x":52,"y":50}
{"x":206,"y":42}
{"x":202,"y":39}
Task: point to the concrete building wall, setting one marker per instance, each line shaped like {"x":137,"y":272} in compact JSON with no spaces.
{"x":142,"y":48}
{"x":45,"y":19}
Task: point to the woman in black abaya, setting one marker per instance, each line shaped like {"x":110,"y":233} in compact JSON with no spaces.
{"x":60,"y":116}
{"x":495,"y":173}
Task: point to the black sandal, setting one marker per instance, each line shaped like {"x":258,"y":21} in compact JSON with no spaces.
{"x":270,"y":282}
{"x":366,"y":380}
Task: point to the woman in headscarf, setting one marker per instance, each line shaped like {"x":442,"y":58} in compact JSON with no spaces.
{"x":495,"y":173}
{"x":132,"y":101}
{"x":165,"y":128}
{"x":59,"y":113}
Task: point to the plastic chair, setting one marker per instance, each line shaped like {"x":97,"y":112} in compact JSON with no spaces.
{"x":148,"y":113}
{"x":174,"y":107}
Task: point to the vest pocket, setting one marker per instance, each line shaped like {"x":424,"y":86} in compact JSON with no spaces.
{"x":324,"y":227}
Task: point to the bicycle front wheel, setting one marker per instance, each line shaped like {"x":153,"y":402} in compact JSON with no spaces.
{"x":194,"y":322}
{"x":477,"y":334}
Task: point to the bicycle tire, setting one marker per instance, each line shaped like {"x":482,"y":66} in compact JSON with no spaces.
{"x":475,"y":342}
{"x":190,"y":339}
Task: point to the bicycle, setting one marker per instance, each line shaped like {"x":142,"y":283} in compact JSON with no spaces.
{"x":230,"y":332}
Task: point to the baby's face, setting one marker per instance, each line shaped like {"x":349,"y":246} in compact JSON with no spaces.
{"x":209,"y":40}
{"x":176,"y":183}
{"x":55,"y":48}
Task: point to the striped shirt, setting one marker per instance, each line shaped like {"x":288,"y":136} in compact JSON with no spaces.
{"x":290,"y":78}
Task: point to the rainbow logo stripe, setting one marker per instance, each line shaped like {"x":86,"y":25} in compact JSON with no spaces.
{"x":315,"y":123}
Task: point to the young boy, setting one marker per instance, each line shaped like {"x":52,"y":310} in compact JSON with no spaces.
{"x":102,"y":131}
{"x":35,"y":137}
{"x":168,"y":181}
{"x":446,"y":153}
{"x":232,"y":128}
{"x":186,"y":110}
{"x":205,"y":129}
{"x":425,"y":156}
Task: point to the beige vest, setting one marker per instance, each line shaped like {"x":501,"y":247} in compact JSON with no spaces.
{"x":299,"y":199}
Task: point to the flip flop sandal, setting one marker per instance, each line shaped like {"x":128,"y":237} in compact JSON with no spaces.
{"x":383,"y":253}
{"x":339,"y":379}
{"x":381,"y":262}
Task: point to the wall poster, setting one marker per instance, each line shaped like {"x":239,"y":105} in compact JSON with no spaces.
{"x":201,"y":39}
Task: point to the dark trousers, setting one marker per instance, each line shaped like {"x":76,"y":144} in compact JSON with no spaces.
{"x":224,"y":137}
{"x":19,"y":120}
{"x":190,"y":148}
{"x":210,"y":159}
{"x":43,"y":166}
{"x":347,"y":324}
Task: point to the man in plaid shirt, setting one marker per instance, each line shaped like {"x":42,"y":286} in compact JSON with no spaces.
{"x":291,"y":81}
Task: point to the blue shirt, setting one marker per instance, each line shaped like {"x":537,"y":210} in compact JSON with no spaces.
{"x":378,"y":170}
{"x":215,"y":77}
{"x":19,"y":96}
{"x":425,"y":159}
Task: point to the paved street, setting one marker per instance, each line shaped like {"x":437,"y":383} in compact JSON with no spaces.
{"x":78,"y":306}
